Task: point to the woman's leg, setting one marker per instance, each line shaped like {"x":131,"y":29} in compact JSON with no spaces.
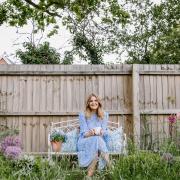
{"x":103,"y":153}
{"x":105,"y":156}
{"x":92,"y":166}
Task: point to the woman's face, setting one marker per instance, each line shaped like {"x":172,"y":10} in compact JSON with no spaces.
{"x":93,"y":103}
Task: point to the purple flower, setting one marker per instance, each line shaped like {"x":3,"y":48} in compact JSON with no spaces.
{"x":12,"y":152}
{"x":10,"y":141}
{"x":172,"y":118}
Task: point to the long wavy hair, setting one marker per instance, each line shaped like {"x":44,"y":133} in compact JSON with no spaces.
{"x":88,"y":111}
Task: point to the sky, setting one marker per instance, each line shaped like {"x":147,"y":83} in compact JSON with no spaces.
{"x":12,"y":38}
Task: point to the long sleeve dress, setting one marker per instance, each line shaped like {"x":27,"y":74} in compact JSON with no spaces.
{"x":88,"y":147}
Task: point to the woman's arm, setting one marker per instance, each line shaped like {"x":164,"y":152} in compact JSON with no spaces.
{"x":104,"y":124}
{"x":84,"y":130}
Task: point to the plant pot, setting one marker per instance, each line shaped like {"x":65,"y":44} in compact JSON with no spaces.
{"x":56,"y":146}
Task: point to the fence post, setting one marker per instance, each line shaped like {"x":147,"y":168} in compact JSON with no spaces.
{"x":136,"y":112}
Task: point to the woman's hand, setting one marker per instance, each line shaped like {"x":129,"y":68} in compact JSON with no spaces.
{"x":101,"y":132}
{"x":90,"y":133}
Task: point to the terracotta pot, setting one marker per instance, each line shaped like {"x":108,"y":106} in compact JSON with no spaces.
{"x":56,"y":146}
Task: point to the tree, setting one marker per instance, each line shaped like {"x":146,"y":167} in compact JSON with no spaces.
{"x":68,"y":58}
{"x":152,"y":35}
{"x":41,"y":54}
{"x":166,"y":48}
{"x":93,"y":23}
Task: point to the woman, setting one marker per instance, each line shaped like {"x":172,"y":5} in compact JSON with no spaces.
{"x":93,"y":130}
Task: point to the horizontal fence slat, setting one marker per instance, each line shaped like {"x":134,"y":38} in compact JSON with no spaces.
{"x":92,"y":72}
{"x":143,"y":112}
{"x":64,"y":73}
{"x":160,"y":72}
{"x":54,"y":113}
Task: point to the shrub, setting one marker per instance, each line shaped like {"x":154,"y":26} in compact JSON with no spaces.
{"x":10,"y":141}
{"x":145,"y":165}
{"x":12,"y":152}
{"x":24,"y":166}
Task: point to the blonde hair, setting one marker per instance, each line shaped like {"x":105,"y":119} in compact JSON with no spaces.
{"x":88,"y":112}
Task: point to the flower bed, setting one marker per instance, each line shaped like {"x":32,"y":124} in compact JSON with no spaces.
{"x":139,"y":165}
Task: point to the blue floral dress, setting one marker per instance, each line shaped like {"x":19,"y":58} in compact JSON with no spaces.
{"x":88,"y":147}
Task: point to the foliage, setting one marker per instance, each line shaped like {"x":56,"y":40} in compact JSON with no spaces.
{"x":93,"y":52}
{"x":24,"y":165}
{"x":6,"y":131}
{"x":92,"y":23}
{"x":146,"y":32}
{"x":145,"y":165}
{"x":140,"y":165}
{"x":41,"y":54}
{"x":156,"y":39}
{"x":166,"y":141}
{"x":11,"y":147}
{"x":10,"y":141}
{"x":58,"y":136}
{"x":166,"y":49}
{"x":68,"y":58}
{"x":12,"y":152}
{"x":169,"y":146}
{"x":166,"y":17}
{"x":153,"y":34}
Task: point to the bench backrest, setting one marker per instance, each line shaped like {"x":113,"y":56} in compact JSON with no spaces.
{"x":71,"y":124}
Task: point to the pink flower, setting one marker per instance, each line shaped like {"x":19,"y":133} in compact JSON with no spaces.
{"x":172,"y":118}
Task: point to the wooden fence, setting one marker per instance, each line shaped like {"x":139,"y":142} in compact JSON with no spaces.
{"x":140,"y":97}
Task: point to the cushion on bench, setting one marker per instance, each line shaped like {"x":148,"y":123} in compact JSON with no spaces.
{"x":71,"y":141}
{"x":114,"y":140}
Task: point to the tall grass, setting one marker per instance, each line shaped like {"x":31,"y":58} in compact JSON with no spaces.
{"x":140,"y":165}
{"x":137,"y":165}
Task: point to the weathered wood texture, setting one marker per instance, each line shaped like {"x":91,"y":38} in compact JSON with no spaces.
{"x":31,"y":96}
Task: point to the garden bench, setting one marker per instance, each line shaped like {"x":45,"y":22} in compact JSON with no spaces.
{"x":70,"y":125}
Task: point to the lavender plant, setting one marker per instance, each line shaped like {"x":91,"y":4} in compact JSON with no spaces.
{"x":12,"y":152}
{"x":11,"y":147}
{"x":10,"y":141}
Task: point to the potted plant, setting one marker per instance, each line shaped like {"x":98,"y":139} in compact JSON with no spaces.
{"x":57,"y":138}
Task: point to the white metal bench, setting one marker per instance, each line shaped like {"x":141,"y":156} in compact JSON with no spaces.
{"x":69,"y":125}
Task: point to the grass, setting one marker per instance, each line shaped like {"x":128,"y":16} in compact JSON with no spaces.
{"x":140,"y":165}
{"x":137,"y":165}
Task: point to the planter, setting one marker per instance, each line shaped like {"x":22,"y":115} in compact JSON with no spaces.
{"x":56,"y":146}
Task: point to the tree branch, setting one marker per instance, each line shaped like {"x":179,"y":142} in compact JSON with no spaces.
{"x":38,"y":7}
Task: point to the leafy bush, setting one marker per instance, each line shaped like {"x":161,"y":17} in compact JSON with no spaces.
{"x":169,"y":146}
{"x":41,"y":54}
{"x":24,"y":166}
{"x":137,"y":166}
{"x":145,"y":165}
